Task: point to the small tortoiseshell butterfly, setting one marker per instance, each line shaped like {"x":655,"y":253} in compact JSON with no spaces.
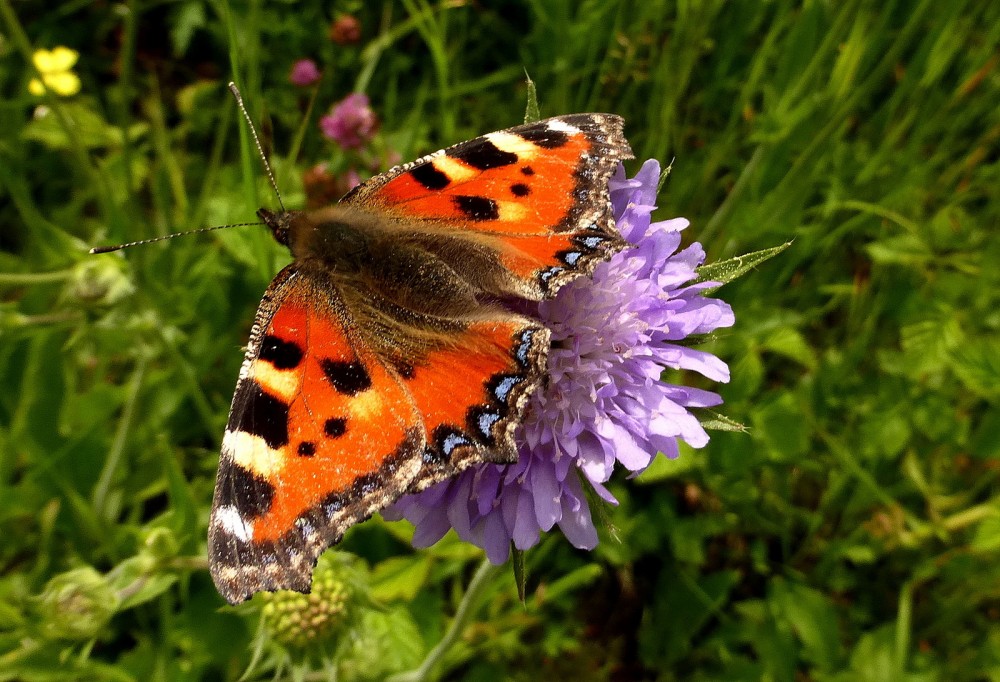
{"x":383,"y":360}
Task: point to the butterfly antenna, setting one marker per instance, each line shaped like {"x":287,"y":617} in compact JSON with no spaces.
{"x":256,"y":141}
{"x":119,"y":247}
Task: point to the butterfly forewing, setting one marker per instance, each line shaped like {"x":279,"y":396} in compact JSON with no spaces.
{"x":537,"y":194}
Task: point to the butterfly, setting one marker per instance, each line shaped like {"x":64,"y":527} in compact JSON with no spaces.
{"x":387,"y":356}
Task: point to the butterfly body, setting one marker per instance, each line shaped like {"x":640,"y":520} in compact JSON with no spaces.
{"x":382,"y":360}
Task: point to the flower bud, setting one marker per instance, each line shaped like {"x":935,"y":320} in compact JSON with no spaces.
{"x":301,"y":621}
{"x":345,"y":30}
{"x":76,"y":604}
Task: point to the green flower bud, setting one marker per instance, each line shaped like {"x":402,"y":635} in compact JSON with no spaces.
{"x":100,"y":281}
{"x":160,"y":543}
{"x":301,"y":621}
{"x":76,"y":604}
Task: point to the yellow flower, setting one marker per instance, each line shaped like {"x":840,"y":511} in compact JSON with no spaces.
{"x":55,"y":66}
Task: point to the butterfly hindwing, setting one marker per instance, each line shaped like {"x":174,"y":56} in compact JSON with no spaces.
{"x":536,"y":195}
{"x":320,"y":433}
{"x":471,"y":393}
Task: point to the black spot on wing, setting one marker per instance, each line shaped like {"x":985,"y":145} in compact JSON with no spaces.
{"x":519,"y":189}
{"x":544,"y":137}
{"x":349,"y":378}
{"x":251,"y":495}
{"x":430,"y":177}
{"x":483,"y":155}
{"x":527,"y":170}
{"x":260,"y":414}
{"x":280,"y":353}
{"x":477,"y":208}
{"x":307,"y":448}
{"x":335,"y":427}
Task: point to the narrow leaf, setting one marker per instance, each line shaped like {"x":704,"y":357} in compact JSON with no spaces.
{"x":517,"y":560}
{"x":531,"y":111}
{"x":726,"y":271}
{"x":720,"y":422}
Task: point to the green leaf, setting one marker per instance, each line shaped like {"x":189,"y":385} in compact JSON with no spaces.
{"x":517,"y":563}
{"x":977,"y":365}
{"x":531,"y":111}
{"x":791,"y":344}
{"x":814,"y":620}
{"x":572,"y":581}
{"x":904,"y":249}
{"x":720,"y":422}
{"x":986,"y":539}
{"x":400,"y":578}
{"x":188,"y":18}
{"x":383,"y":643}
{"x":664,"y":468}
{"x":680,"y":608}
{"x":779,"y":424}
{"x":726,"y":271}
{"x":90,"y":129}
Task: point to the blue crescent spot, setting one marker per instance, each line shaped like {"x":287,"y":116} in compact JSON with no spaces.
{"x":548,"y":274}
{"x":592,"y":242}
{"x":305,"y":526}
{"x":452,"y":441}
{"x":486,"y":422}
{"x":572,"y":257}
{"x":504,"y":388}
{"x":522,"y":350}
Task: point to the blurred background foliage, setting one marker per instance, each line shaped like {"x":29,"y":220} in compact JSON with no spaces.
{"x":853,"y":534}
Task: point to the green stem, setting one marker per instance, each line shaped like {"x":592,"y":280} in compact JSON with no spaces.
{"x":114,"y":459}
{"x":17,"y":279}
{"x":462,"y":616}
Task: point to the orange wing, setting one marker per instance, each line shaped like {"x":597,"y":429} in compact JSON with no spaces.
{"x":537,"y":194}
{"x":319,"y":434}
{"x":326,"y":430}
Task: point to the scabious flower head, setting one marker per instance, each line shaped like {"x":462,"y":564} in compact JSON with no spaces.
{"x":351,"y":122}
{"x":605,"y":404}
{"x":56,"y":68}
{"x":304,"y":73}
{"x":303,"y":621}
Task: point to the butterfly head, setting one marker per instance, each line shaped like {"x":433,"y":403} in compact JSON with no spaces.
{"x":280,"y":223}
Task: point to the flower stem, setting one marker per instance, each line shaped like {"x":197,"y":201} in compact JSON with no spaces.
{"x":28,"y":278}
{"x":462,"y":616}
{"x":106,"y":479}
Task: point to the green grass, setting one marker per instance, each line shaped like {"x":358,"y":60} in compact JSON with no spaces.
{"x":853,"y":534}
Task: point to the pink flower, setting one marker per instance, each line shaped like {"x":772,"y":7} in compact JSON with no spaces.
{"x":304,"y":73}
{"x":351,"y":122}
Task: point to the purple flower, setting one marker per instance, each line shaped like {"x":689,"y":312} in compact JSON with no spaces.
{"x":612,"y":336}
{"x":304,"y":73}
{"x":351,"y":122}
